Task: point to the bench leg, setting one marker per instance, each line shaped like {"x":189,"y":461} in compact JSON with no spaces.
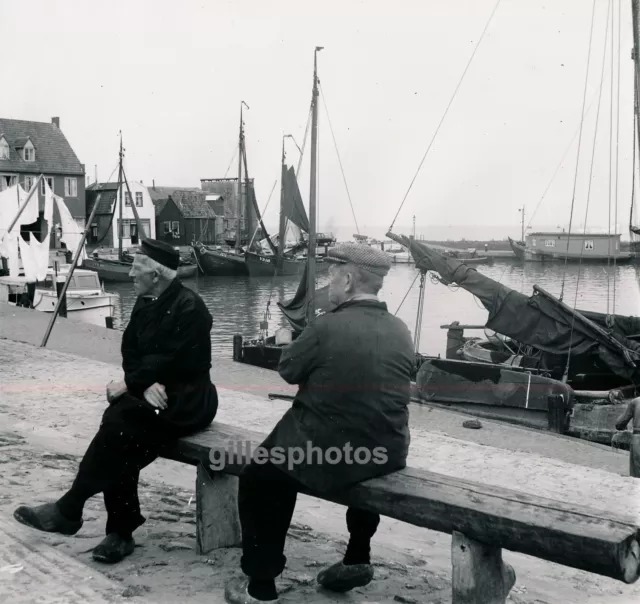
{"x":217,"y":519}
{"x":479,"y":574}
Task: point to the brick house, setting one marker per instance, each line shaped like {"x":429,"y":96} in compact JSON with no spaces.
{"x":28,"y":149}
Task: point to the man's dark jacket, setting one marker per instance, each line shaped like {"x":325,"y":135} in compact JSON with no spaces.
{"x":168,"y":341}
{"x":353,"y":367}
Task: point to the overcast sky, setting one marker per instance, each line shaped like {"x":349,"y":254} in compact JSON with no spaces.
{"x":171,"y":76}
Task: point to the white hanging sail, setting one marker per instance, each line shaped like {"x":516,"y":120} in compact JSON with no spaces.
{"x":11,"y":200}
{"x":34,"y":253}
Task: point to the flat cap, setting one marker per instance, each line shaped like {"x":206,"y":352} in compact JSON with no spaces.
{"x":369,"y":258}
{"x":161,"y":252}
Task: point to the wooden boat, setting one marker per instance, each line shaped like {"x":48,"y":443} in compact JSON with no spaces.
{"x":118,"y":270}
{"x":519,"y":397}
{"x":571,"y":247}
{"x":215,"y":261}
{"x":309,"y":301}
{"x":518,"y":248}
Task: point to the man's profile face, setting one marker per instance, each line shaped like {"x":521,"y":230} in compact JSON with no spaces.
{"x":144,"y":277}
{"x":338,"y":283}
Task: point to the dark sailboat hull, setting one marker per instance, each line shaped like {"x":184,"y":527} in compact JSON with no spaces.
{"x":259,"y":265}
{"x":118,"y":271}
{"x":219,"y":263}
{"x":520,"y":398}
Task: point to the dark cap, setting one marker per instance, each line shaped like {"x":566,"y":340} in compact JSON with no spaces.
{"x":362,"y":256}
{"x":161,"y":252}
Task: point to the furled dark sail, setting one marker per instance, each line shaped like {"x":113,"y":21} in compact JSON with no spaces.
{"x":295,"y":309}
{"x":539,"y":320}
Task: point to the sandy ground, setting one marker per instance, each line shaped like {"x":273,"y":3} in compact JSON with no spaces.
{"x":50,"y":406}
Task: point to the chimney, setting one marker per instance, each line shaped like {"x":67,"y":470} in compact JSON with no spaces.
{"x":154,"y":184}
{"x":55,"y":121}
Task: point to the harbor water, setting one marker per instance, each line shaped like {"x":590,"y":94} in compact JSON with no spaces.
{"x":239,"y":304}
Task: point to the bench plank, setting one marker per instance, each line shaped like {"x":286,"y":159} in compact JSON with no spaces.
{"x":576,"y":536}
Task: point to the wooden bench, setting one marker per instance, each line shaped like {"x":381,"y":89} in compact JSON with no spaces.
{"x":482,"y":519}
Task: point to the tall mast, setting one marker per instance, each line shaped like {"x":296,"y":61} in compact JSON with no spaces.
{"x":522,"y":229}
{"x":283,"y":219}
{"x":239,"y":189}
{"x":311,"y":257}
{"x":119,"y":193}
{"x":635,"y":11}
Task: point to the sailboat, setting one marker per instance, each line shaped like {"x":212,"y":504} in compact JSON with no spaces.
{"x":216,"y":261}
{"x":118,"y":269}
{"x":293,"y":258}
{"x":303,"y":308}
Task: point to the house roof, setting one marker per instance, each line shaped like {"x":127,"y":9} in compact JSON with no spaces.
{"x":575,"y":235}
{"x":159,"y":205}
{"x":158,"y":193}
{"x":109,"y":195}
{"x":192,"y":204}
{"x":54,"y":154}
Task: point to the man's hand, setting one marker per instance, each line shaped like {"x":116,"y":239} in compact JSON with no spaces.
{"x":156,"y":396}
{"x":115,"y":390}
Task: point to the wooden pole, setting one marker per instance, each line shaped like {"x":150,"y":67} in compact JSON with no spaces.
{"x":63,"y":293}
{"x":119,"y":193}
{"x":239,"y":189}
{"x":141,"y":231}
{"x":311,"y":257}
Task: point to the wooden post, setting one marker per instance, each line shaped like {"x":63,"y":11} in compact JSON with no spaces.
{"x":217,"y":519}
{"x":63,"y":295}
{"x":479,"y":574}
{"x":455,"y":340}
{"x":237,"y":348}
{"x":557,"y":413}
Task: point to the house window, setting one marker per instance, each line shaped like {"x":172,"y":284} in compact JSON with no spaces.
{"x":49,"y":180}
{"x":29,"y":152}
{"x":71,"y":187}
{"x":127,"y":199}
{"x":175,"y":228}
{"x":167,"y":227}
{"x":138,"y":199}
{"x":550,"y":243}
{"x":94,"y":231}
{"x":129,"y":229}
{"x":4,"y":149}
{"x":28,"y":182}
{"x":588,"y":244}
{"x":533,"y":242}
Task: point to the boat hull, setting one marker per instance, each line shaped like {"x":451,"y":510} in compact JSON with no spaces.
{"x":218,"y":263}
{"x":518,"y":248}
{"x":93,"y":309}
{"x":265,"y":266}
{"x":517,"y":397}
{"x":116,"y":271}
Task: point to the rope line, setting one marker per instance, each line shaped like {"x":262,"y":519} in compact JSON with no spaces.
{"x":344,"y":178}
{"x":575,"y":180}
{"x":445,"y":113}
{"x":593,"y":153}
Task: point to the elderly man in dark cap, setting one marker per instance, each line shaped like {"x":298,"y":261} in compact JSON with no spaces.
{"x":349,"y":419}
{"x":167,"y":393}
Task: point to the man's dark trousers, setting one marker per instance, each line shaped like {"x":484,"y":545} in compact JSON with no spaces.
{"x":266,"y":502}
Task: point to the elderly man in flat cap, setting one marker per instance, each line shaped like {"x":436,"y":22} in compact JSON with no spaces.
{"x":349,"y":418}
{"x":167,"y":393}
